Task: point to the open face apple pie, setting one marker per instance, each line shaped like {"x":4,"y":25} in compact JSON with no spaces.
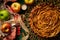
{"x":45,"y":20}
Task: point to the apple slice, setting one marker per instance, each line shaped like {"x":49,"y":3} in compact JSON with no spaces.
{"x":24,"y":7}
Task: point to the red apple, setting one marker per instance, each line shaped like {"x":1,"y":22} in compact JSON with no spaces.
{"x":16,"y":6}
{"x":6,"y":27}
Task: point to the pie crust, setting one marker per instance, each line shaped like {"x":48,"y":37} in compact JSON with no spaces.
{"x":44,"y":20}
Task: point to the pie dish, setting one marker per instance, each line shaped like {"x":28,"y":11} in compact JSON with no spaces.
{"x":44,"y":20}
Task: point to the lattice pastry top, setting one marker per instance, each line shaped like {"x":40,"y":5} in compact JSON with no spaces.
{"x":45,"y":20}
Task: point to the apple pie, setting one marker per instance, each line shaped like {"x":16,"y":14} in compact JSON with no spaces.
{"x":44,"y":20}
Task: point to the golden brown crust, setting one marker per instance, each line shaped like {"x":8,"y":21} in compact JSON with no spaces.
{"x":44,"y":20}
